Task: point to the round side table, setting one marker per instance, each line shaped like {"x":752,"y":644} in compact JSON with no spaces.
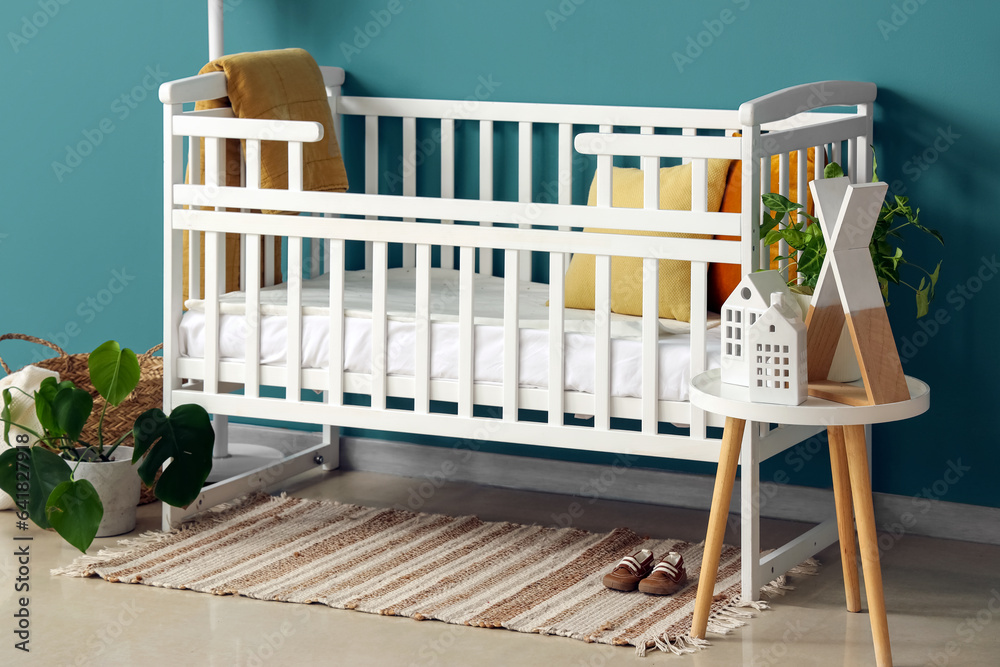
{"x":851,"y":484}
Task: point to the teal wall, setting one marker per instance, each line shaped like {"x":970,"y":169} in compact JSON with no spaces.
{"x":64,"y":234}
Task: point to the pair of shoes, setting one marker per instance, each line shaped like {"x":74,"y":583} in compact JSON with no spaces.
{"x":637,"y":571}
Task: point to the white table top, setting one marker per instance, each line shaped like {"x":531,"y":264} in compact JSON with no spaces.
{"x":710,"y":393}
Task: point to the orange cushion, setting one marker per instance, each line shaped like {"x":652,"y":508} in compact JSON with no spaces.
{"x":723,"y":278}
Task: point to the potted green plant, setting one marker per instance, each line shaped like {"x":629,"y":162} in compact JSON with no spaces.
{"x":807,"y":251}
{"x":70,"y":485}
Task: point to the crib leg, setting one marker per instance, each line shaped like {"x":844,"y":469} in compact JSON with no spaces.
{"x":750,"y":513}
{"x":331,"y":455}
{"x":221,"y":425}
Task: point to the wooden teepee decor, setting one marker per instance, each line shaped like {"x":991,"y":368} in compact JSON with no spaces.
{"x":847,"y":287}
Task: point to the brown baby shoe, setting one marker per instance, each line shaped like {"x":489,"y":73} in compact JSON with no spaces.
{"x":668,"y":577}
{"x":629,"y":571}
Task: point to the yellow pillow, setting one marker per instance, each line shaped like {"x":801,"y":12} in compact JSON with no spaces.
{"x":626,"y":272}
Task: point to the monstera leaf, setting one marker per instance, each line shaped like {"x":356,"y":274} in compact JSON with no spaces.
{"x":45,"y":399}
{"x":186,"y":438}
{"x":44,"y":470}
{"x":75,"y":511}
{"x":114,"y":371}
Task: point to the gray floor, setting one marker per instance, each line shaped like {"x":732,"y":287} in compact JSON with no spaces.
{"x":942,"y":598}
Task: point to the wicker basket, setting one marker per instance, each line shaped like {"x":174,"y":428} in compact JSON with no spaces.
{"x":148,"y":393}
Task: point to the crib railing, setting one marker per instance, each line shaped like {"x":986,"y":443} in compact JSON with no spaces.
{"x":540,"y":228}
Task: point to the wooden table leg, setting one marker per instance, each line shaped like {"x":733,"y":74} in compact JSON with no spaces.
{"x":857,"y":462}
{"x":725,"y":475}
{"x":845,"y":515}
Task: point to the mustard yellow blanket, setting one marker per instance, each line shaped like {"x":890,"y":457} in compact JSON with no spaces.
{"x":282,"y":85}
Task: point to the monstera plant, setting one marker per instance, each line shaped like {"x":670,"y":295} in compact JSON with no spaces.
{"x":40,"y":472}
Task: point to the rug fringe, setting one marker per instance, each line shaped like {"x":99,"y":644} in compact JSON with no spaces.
{"x":87,"y":564}
{"x":733,"y":615}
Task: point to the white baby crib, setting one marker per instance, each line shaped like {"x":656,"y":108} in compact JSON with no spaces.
{"x":469,"y":347}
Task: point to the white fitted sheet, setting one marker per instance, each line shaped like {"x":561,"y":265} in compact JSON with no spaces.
{"x":626,"y":348}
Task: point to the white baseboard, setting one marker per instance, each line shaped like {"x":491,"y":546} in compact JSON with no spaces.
{"x":896,"y":515}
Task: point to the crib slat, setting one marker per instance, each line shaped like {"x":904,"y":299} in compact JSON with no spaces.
{"x":314,"y":254}
{"x":447,"y":182}
{"x":380,"y":256}
{"x":409,"y":179}
{"x":699,"y":185}
{"x":565,"y":166}
{"x":335,"y":353}
{"x":243,"y":254}
{"x":602,"y":342}
{"x":699,"y":323}
{"x":650,"y":343}
{"x":215,"y":281}
{"x":268,"y":261}
{"x":818,"y":164}
{"x":371,"y":172}
{"x":852,"y":159}
{"x":511,"y":333}
{"x":194,"y":264}
{"x":557,"y":349}
{"x":253,"y":164}
{"x":764,"y":260}
{"x":650,"y":177}
{"x":251,"y":355}
{"x":194,"y":238}
{"x":524,"y":178}
{"x":466,"y":330}
{"x":293,"y":354}
{"x":295,"y":166}
{"x":835,"y":155}
{"x":784,"y":189}
{"x":486,"y":187}
{"x":422,"y":324}
{"x":688,"y":132}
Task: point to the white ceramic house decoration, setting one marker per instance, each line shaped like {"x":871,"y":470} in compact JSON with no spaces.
{"x":777,"y":341}
{"x":747,"y":302}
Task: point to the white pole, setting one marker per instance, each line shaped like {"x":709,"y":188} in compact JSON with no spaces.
{"x":215,"y":45}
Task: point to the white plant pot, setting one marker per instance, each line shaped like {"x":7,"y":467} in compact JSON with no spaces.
{"x":118,"y":486}
{"x":844,"y":367}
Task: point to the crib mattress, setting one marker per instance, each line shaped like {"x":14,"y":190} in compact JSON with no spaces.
{"x":626,"y":347}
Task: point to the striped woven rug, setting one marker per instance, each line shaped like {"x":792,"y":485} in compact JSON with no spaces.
{"x":455,"y":569}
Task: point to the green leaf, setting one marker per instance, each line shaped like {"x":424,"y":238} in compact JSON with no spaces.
{"x":5,"y":415}
{"x":47,"y":471}
{"x":75,"y":511}
{"x":8,"y":472}
{"x":779,"y":203}
{"x":923,"y":301}
{"x":44,"y":398}
{"x":186,"y":436}
{"x":113,"y":371}
{"x":71,"y":408}
{"x":768,"y":223}
{"x":833,"y":170}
